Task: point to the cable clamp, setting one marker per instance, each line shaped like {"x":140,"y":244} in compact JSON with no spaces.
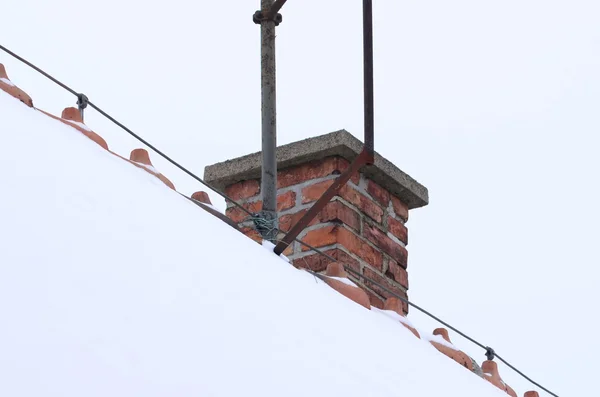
{"x":259,"y":18}
{"x":490,"y":353}
{"x":82,"y":101}
{"x":265,"y":222}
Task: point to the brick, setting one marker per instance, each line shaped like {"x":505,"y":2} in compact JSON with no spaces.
{"x":318,"y":263}
{"x":386,"y":244}
{"x":315,"y":191}
{"x":375,"y":300}
{"x":287,"y":221}
{"x":252,"y":233}
{"x":362,"y":202}
{"x":332,"y":234}
{"x":315,"y":262}
{"x":380,"y":195}
{"x":343,"y":165}
{"x":334,"y":211}
{"x":385,"y":282}
{"x":397,"y":273}
{"x":326,"y":235}
{"x":344,"y":258}
{"x":286,"y":200}
{"x":337,"y":211}
{"x":398,"y":229}
{"x":289,"y":250}
{"x":400,"y":209}
{"x":312,"y":170}
{"x":360,"y":248}
{"x":238,"y":216}
{"x":243,"y":190}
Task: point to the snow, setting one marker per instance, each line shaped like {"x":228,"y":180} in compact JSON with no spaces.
{"x":113,"y":284}
{"x":269,"y":246}
{"x":79,"y":124}
{"x":395,"y":316}
{"x":148,"y":167}
{"x":438,"y":339}
{"x":344,"y":280}
{"x":214,"y":208}
{"x":7,"y":81}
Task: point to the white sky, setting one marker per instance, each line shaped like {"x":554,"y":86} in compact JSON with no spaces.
{"x":491,"y":105}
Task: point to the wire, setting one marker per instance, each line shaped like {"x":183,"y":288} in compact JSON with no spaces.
{"x":524,"y":376}
{"x":403,"y":299}
{"x":160,"y":153}
{"x":347,"y":268}
{"x":261,"y":222}
{"x":139,"y":138}
{"x":31,"y":65}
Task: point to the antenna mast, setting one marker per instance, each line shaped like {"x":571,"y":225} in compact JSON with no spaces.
{"x":268,"y":17}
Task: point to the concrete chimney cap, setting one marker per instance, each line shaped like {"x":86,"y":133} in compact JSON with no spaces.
{"x":339,"y":143}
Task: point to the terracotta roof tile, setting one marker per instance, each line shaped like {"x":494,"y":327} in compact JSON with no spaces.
{"x":336,"y":269}
{"x":9,"y":87}
{"x":452,"y":352}
{"x":490,"y":373}
{"x":201,"y":197}
{"x":347,"y":289}
{"x":397,"y":305}
{"x":72,"y":118}
{"x":141,"y":158}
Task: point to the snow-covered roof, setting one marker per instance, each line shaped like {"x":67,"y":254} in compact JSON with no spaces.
{"x":112,"y":283}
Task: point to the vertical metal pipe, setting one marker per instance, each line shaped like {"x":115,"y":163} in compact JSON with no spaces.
{"x":368,"y":74}
{"x":269,"y":122}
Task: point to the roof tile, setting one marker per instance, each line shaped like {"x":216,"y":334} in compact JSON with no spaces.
{"x":491,"y":374}
{"x":7,"y":86}
{"x":352,"y":292}
{"x":141,"y":156}
{"x":201,"y":197}
{"x":397,"y":305}
{"x":455,"y":354}
{"x":72,"y":118}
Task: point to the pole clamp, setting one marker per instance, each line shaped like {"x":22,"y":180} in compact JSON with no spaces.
{"x":259,"y":18}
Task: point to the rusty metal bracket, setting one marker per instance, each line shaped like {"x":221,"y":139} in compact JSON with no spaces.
{"x":365,"y":157}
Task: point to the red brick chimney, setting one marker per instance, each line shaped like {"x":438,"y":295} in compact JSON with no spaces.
{"x":363,"y":227}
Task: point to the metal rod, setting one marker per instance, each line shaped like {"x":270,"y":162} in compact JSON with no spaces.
{"x":366,"y":156}
{"x":362,"y":159}
{"x":269,"y":122}
{"x":275,"y":8}
{"x":368,"y":74}
{"x":31,"y":65}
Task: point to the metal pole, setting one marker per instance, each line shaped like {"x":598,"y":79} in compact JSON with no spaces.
{"x":269,"y":123}
{"x":368,"y":74}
